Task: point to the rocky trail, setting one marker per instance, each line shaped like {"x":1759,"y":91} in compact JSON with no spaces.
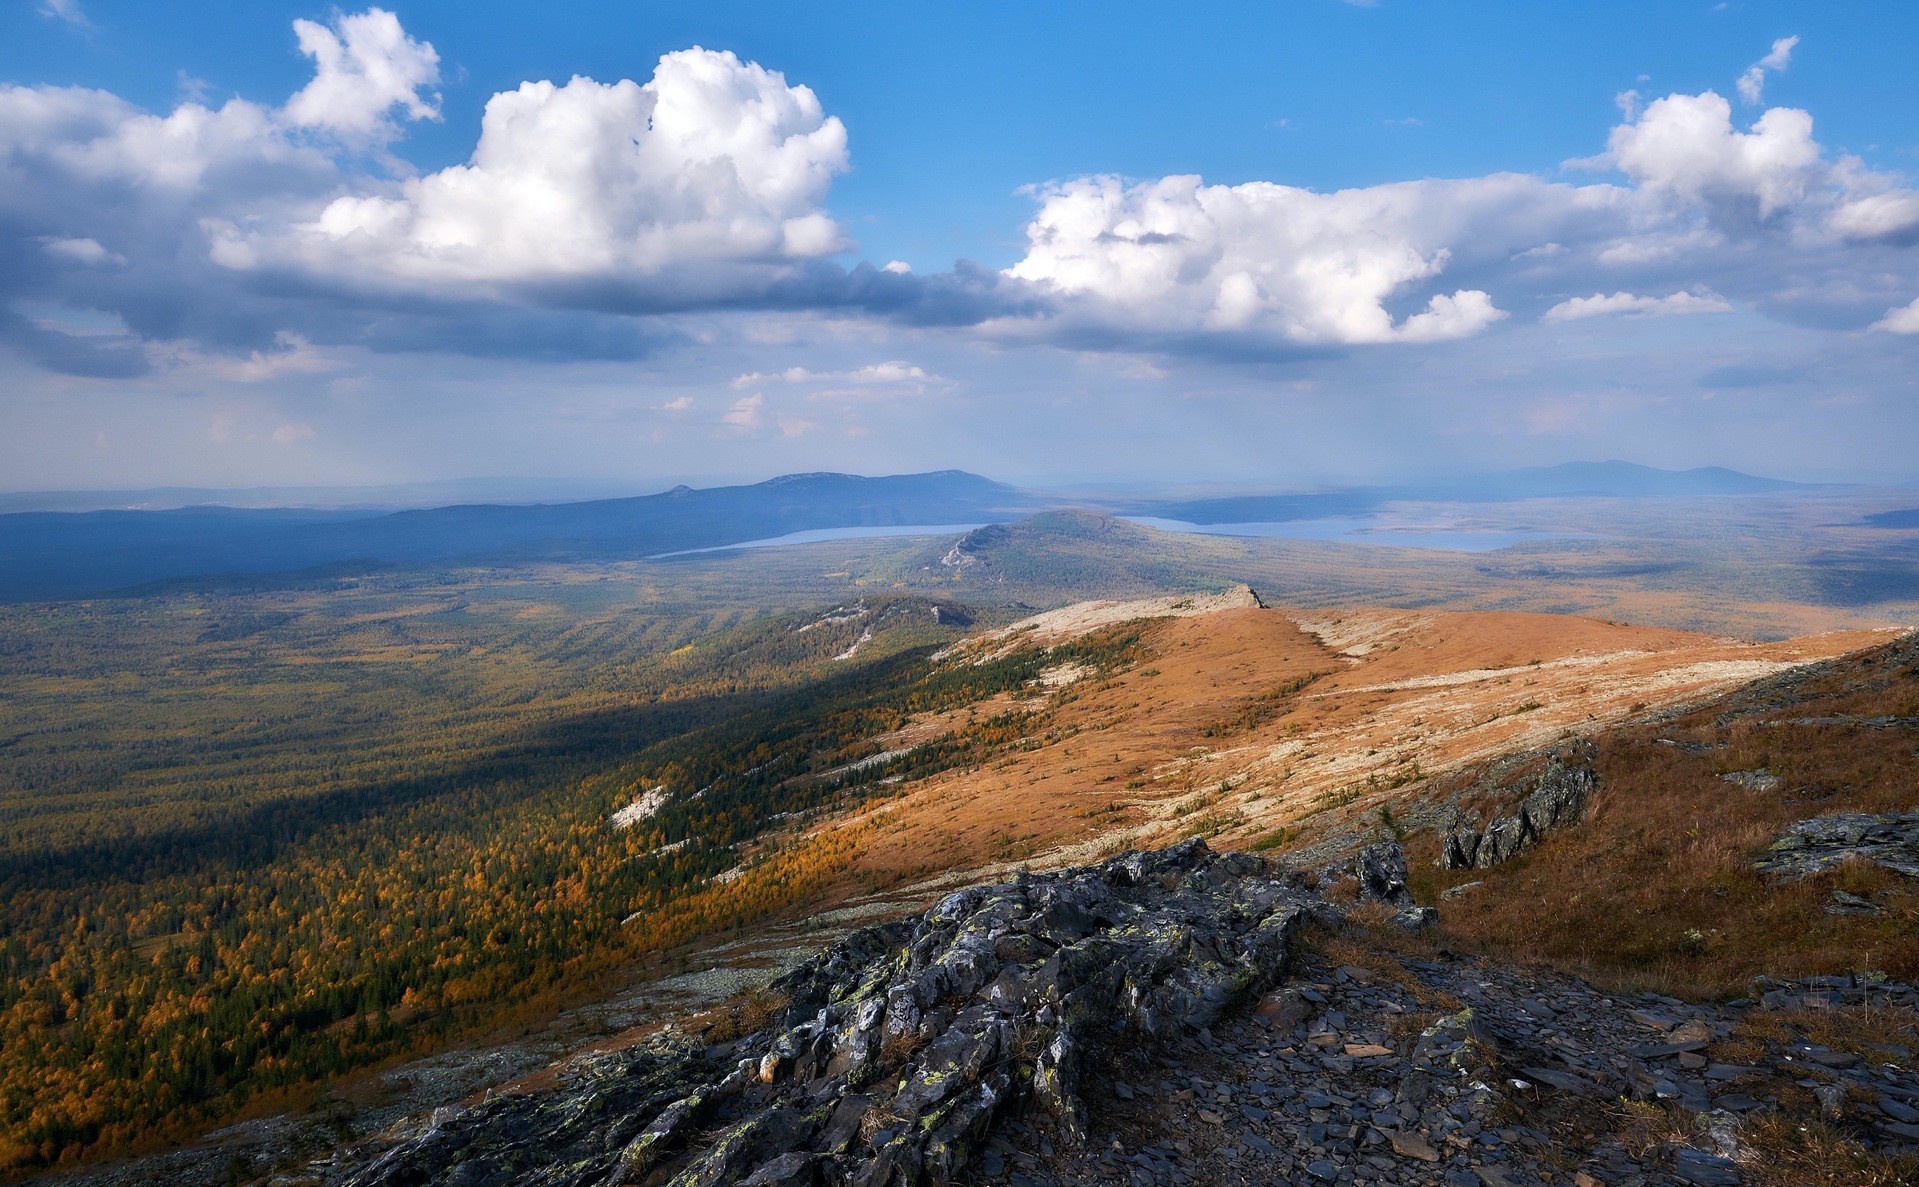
{"x":1187,"y":1017}
{"x":1530,"y":1080}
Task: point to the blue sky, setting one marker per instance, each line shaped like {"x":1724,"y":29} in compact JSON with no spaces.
{"x":308,"y":283}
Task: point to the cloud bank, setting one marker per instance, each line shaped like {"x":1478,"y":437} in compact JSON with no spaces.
{"x":589,"y":215}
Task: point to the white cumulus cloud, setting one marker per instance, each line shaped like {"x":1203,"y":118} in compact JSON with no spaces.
{"x":1685,"y":148}
{"x":1902,"y":320}
{"x":365,"y":65}
{"x":1286,"y":263}
{"x":713,"y":162}
{"x":585,"y":207}
{"x":1752,"y":84}
{"x":1685,"y":151}
{"x":1130,"y":262}
{"x":1600,"y":305}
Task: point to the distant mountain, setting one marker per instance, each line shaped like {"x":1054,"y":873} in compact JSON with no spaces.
{"x":1607,"y":480}
{"x":55,"y":555}
{"x":391,"y":497}
{"x":1571,"y":480}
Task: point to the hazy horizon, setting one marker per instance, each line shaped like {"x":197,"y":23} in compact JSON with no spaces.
{"x":562,"y":489}
{"x":1292,"y":245}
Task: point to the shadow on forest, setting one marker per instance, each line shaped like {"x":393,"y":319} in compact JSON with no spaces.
{"x":253,"y":834}
{"x":568,"y":748}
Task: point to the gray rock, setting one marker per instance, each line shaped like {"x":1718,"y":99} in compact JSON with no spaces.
{"x":1759,"y":780}
{"x":1705,"y":1170}
{"x":1810,"y":846}
{"x":992,"y":1003}
{"x":1415,"y":918}
{"x":932,"y":1050}
{"x":1556,"y":798}
{"x":1381,"y":868}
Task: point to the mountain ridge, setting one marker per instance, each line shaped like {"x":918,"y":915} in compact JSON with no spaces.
{"x":75,"y":554}
{"x":1607,"y":479}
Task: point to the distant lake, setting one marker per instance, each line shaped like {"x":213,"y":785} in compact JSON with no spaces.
{"x":816,"y":535}
{"x":1341,"y":530}
{"x":1367,"y":530}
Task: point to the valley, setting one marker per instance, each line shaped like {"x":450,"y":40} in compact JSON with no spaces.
{"x":314,"y":854}
{"x":1320,"y":594}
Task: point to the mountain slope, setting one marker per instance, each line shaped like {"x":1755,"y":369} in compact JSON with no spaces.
{"x":60,"y":555}
{"x":1288,"y":733}
{"x":1256,"y":724}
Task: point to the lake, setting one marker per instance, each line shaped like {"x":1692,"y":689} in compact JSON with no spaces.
{"x":1368,"y":530}
{"x":816,"y":535}
{"x":1341,"y":530}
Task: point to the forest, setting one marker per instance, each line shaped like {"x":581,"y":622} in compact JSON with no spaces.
{"x":255,"y":841}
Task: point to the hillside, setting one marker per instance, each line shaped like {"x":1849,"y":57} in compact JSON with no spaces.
{"x":1680,"y":974}
{"x":1254,"y":725}
{"x":726,"y":797}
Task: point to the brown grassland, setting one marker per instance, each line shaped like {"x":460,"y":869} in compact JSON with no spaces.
{"x":1243,"y":723}
{"x":1657,"y":888}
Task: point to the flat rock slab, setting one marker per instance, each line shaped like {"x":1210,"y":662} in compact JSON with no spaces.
{"x":1811,"y":846}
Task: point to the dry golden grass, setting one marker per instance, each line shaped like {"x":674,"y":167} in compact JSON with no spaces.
{"x":1369,"y":940}
{"x":1657,"y":889}
{"x":1644,"y":911}
{"x":749,"y":1013}
{"x":1875,"y":1033}
{"x":1646,"y":1128}
{"x":1264,"y":728}
{"x":1790,"y":1151}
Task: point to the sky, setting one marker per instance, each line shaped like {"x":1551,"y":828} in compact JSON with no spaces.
{"x":1271,"y":245}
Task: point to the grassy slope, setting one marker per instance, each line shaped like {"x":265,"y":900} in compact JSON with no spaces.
{"x":1657,"y":887}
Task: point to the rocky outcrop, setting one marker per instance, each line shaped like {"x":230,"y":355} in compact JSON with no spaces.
{"x":1558,"y":798}
{"x":1381,"y":870}
{"x":1147,"y":1021}
{"x":903,"y":1045}
{"x":1890,"y":839}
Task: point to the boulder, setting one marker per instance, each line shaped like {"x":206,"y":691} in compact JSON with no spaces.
{"x":1890,"y":839}
{"x":1381,"y":869}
